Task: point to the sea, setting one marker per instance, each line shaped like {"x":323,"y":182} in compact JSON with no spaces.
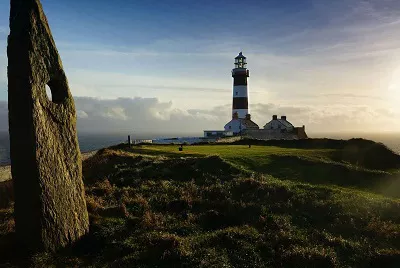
{"x":95,"y":141}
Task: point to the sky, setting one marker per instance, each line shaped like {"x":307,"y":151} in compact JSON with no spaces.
{"x":138,"y":66}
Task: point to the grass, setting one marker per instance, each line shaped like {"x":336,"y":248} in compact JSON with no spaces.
{"x":230,"y":206}
{"x":316,"y":166}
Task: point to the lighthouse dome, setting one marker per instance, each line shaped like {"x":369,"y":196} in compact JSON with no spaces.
{"x":240,"y":56}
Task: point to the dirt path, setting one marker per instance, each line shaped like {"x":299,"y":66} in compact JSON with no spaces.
{"x":5,"y":171}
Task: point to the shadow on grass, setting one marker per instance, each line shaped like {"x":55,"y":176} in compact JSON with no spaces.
{"x":123,"y":170}
{"x":299,"y":169}
{"x":361,"y":152}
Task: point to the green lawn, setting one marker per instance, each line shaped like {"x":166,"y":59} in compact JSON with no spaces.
{"x":256,"y":158}
{"x":230,"y":151}
{"x":316,"y":166}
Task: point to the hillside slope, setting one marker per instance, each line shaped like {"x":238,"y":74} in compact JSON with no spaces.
{"x":230,"y":206}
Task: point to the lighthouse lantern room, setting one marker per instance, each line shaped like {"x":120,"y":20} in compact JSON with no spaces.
{"x":240,"y":61}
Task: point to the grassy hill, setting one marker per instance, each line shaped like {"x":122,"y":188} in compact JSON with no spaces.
{"x":322,"y":204}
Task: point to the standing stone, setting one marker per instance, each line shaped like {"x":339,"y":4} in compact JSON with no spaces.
{"x":50,"y":207}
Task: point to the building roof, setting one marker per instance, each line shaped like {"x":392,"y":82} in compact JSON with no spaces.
{"x":285,"y":123}
{"x":248,"y":123}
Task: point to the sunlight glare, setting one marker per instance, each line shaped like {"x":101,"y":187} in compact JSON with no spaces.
{"x":394,"y":89}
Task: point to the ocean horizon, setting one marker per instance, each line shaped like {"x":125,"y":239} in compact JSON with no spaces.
{"x":95,"y":141}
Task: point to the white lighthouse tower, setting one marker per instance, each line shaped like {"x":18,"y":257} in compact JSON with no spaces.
{"x":241,"y":118}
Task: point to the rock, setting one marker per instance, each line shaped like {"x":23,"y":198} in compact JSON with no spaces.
{"x":46,"y":166}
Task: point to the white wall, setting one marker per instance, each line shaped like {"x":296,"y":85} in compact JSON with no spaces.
{"x":234,"y":126}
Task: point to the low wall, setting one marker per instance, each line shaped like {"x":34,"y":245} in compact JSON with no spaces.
{"x":228,"y":140}
{"x":187,"y":140}
{"x":142,"y":141}
{"x":272,"y":134}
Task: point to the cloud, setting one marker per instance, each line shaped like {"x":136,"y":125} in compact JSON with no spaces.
{"x":150,"y":115}
{"x":332,"y":118}
{"x":140,"y":115}
{"x":81,"y":114}
{"x":153,"y":115}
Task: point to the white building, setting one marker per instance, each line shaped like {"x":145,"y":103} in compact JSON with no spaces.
{"x":279,"y":124}
{"x":238,"y":125}
{"x":217,"y":133}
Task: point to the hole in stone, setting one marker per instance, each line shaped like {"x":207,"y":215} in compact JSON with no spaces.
{"x":48,"y":93}
{"x":57,"y":90}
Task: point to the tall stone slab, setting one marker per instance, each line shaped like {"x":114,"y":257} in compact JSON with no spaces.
{"x":50,"y":207}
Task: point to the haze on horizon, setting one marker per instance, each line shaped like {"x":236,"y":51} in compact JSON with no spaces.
{"x":155,"y":66}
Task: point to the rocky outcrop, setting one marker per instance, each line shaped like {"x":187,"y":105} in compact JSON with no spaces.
{"x":50,"y":208}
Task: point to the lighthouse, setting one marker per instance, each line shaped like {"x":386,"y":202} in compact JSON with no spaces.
{"x":241,"y":118}
{"x":241,"y":123}
{"x":240,"y":73}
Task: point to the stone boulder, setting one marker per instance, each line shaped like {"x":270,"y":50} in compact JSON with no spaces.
{"x":50,"y":207}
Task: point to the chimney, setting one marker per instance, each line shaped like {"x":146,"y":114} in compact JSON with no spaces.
{"x":274,"y":117}
{"x":283,"y":117}
{"x":248,"y":117}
